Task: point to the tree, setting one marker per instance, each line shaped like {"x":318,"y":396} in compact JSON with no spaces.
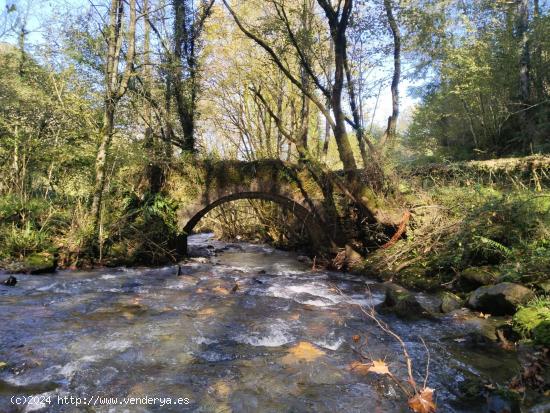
{"x":116,"y":85}
{"x":390,"y":132}
{"x":184,"y":60}
{"x":337,"y":20}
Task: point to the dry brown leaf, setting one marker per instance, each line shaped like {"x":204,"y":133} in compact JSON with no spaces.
{"x":303,"y":351}
{"x":220,"y":290}
{"x":206,"y":312}
{"x":356,"y":338}
{"x":358,"y":367}
{"x":379,"y":367}
{"x":423,"y":402}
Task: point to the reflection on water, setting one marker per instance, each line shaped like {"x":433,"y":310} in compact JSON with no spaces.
{"x":248,"y":329}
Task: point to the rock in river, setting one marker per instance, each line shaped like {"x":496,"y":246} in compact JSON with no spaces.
{"x":499,"y":299}
{"x":402,"y":303}
{"x":449,"y":302}
{"x":10,"y":281}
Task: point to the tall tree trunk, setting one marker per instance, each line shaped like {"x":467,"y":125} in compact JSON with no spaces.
{"x":540,"y":70}
{"x":115,"y":87}
{"x":101,"y":161}
{"x":182,"y":48}
{"x":389,"y":134}
{"x":524,"y":61}
{"x":154,"y":172}
{"x":339,"y":129}
{"x":522,"y":31}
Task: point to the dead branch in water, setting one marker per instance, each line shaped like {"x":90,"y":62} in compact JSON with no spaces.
{"x":420,"y":400}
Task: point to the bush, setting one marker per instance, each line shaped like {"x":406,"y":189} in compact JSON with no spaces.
{"x":21,"y":242}
{"x":533,"y":321}
{"x":144,"y":232}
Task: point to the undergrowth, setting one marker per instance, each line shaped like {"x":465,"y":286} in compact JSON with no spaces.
{"x":456,"y":227}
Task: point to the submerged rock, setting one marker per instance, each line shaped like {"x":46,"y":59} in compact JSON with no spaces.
{"x":403,"y":303}
{"x":450,"y":302}
{"x":305,"y":259}
{"x":500,"y":299}
{"x":10,"y":281}
{"x":503,"y":403}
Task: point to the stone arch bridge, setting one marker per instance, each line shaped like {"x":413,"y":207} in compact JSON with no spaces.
{"x":204,"y":185}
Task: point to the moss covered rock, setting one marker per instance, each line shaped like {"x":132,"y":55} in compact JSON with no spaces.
{"x":500,"y":299}
{"x":477,"y":276}
{"x":534,"y":322}
{"x":403,"y":303}
{"x":449,"y":302}
{"x":38,"y":263}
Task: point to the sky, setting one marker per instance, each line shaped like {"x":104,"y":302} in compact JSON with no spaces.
{"x":39,"y":12}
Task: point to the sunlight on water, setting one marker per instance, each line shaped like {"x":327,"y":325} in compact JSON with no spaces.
{"x":248,"y":328}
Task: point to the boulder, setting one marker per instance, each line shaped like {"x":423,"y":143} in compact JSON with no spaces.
{"x":41,"y":263}
{"x":10,"y":281}
{"x":544,"y":286}
{"x":38,"y":263}
{"x":304,"y":259}
{"x":449,"y":302}
{"x":477,"y":276}
{"x":499,"y":299}
{"x":402,"y":303}
{"x":353,"y":258}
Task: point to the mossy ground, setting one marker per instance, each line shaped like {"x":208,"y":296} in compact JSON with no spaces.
{"x":533,"y":321}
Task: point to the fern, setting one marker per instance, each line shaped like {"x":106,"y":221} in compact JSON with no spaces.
{"x":489,"y":244}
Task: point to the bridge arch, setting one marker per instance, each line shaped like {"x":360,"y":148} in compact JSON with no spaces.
{"x":313,"y":224}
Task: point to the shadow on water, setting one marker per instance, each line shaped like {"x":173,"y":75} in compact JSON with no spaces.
{"x":279,"y":342}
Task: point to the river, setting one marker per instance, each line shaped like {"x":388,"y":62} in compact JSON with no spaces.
{"x":245,"y":329}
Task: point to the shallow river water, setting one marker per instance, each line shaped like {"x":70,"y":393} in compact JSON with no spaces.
{"x":247,"y":329}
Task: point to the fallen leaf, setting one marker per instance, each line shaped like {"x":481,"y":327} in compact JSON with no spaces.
{"x":358,"y":367}
{"x":294,"y":317}
{"x":356,"y":338}
{"x":423,"y":402}
{"x":206,"y":312}
{"x":485,"y":316}
{"x":221,"y":389}
{"x":220,"y":290}
{"x":3,"y":364}
{"x":303,"y":351}
{"x":128,"y":315}
{"x":379,"y":367}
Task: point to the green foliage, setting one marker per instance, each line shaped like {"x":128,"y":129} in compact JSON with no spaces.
{"x":472,"y":107}
{"x":144,"y":231}
{"x":20,"y":242}
{"x":508,"y":229}
{"x":533,"y":320}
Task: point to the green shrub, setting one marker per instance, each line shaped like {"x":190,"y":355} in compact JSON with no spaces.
{"x":533,"y":320}
{"x":20,"y":242}
{"x":144,"y":231}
